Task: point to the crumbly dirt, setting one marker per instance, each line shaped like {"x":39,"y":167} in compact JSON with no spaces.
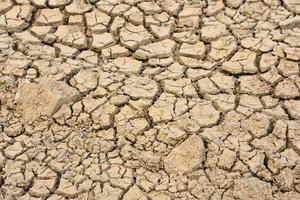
{"x":149,"y":99}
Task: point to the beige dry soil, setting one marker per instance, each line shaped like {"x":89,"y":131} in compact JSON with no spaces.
{"x":149,"y":100}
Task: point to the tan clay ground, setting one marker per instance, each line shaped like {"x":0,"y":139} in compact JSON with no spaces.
{"x":149,"y":100}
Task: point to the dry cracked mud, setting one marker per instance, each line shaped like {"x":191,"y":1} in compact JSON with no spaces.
{"x":149,"y":99}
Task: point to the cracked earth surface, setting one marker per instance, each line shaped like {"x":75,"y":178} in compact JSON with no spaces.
{"x":149,"y":100}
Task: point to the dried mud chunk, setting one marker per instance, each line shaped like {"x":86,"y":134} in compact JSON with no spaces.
{"x":258,"y":124}
{"x":186,"y":36}
{"x":196,"y":63}
{"x":44,"y":98}
{"x":85,"y":80}
{"x":132,"y":36}
{"x":180,"y":87}
{"x":66,"y":188}
{"x":17,"y":18}
{"x":267,"y":61}
{"x":275,"y":141}
{"x":294,"y":135}
{"x":292,"y":5}
{"x":200,"y":186}
{"x":206,"y":86}
{"x":288,"y":68}
{"x":193,"y":50}
{"x":16,"y":67}
{"x":174,"y":71}
{"x":150,"y":7}
{"x":252,"y":189}
{"x":186,"y":157}
{"x":163,"y":108}
{"x":249,"y":101}
{"x":41,"y":49}
{"x":5,"y":6}
{"x":188,"y":23}
{"x":205,"y":114}
{"x":170,"y":134}
{"x":13,"y":150}
{"x":234,"y":3}
{"x":108,"y":192}
{"x":242,"y":62}
{"x":287,"y":158}
{"x":255,"y":160}
{"x":222,"y":48}
{"x":290,"y":22}
{"x":58,"y":3}
{"x":287,"y":196}
{"x":140,"y":87}
{"x":252,"y":85}
{"x":27,"y":37}
{"x":14,"y":130}
{"x":161,"y":49}
{"x":78,"y":7}
{"x":171,"y":6}
{"x":293,"y":108}
{"x":126,"y":65}
{"x":103,"y":116}
{"x":224,"y":82}
{"x":97,"y":21}
{"x":89,"y":56}
{"x":134,"y":128}
{"x":212,"y":30}
{"x":287,"y":89}
{"x":41,"y":188}
{"x":161,"y":32}
{"x":191,"y":10}
{"x":52,"y":17}
{"x":71,"y":35}
{"x":103,"y":40}
{"x":223,"y":102}
{"x":285,"y":179}
{"x":272,"y":76}
{"x":114,"y":52}
{"x":214,"y":7}
{"x":134,"y":15}
{"x":66,"y":50}
{"x":134,"y":193}
{"x":252,"y":43}
{"x":227,"y":159}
